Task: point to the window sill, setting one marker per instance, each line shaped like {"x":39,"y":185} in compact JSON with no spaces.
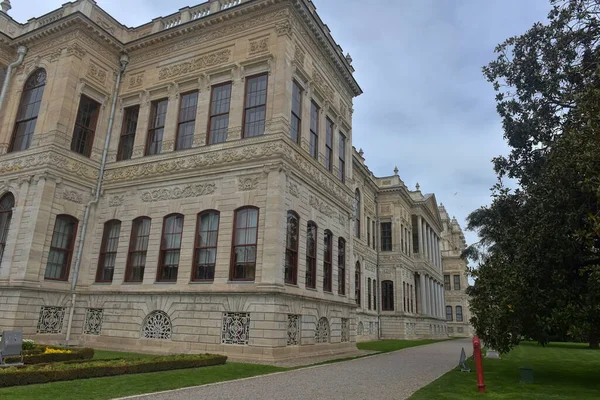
{"x":102,"y":283}
{"x":133,"y":282}
{"x":240,"y":282}
{"x":312,"y":289}
{"x":295,"y":285}
{"x":205,"y":282}
{"x":165,"y":282}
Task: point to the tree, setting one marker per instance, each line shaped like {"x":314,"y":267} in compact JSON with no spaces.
{"x":538,"y":272}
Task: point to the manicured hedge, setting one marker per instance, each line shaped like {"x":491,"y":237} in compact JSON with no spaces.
{"x":38,"y":357}
{"x":66,"y":371}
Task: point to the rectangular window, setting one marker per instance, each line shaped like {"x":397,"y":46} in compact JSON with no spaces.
{"x":373,"y":233}
{"x":449,"y":313}
{"x":447,"y":282}
{"x":342,"y":158}
{"x":329,"y":145}
{"x":61,"y":248}
{"x":291,"y":248}
{"x":127,"y":139}
{"x":374,"y":295}
{"x":456,"y":282}
{"x":387,"y":296}
{"x":386,"y":236}
{"x":205,"y":256}
{"x":459,"y":315}
{"x":296,"y":119}
{"x":311,"y":255}
{"x":368,"y":231}
{"x":186,"y":121}
{"x":314,"y":131}
{"x":341,"y":266}
{"x":170,"y":248}
{"x":255,"y":107}
{"x":156,"y":127}
{"x":220,"y":101}
{"x":108,"y":251}
{"x":138,"y":247}
{"x":327,"y":261}
{"x":85,"y":126}
{"x":245,"y":236}
{"x":369,"y":293}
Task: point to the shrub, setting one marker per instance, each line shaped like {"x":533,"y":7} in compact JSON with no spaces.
{"x":47,"y":354}
{"x":43,"y":373}
{"x":28,"y":344}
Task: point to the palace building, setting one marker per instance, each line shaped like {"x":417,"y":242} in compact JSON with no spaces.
{"x":190,"y":185}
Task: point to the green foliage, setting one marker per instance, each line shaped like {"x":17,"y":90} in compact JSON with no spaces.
{"x":36,"y":355}
{"x":71,"y":370}
{"x":538,"y":271}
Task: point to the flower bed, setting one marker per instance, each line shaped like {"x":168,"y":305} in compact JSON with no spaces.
{"x":71,"y":370}
{"x":39,"y":354}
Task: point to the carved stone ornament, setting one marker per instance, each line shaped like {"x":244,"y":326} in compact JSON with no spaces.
{"x":195,"y":190}
{"x":105,"y":25}
{"x":50,"y":319}
{"x":299,"y":56}
{"x":136,"y":80}
{"x":284,"y":28}
{"x":292,"y":188}
{"x":115,"y":201}
{"x":97,"y":73}
{"x":235,"y":328}
{"x":386,"y":209}
{"x":202,"y":62}
{"x":248,"y":183}
{"x":322,"y":85}
{"x":73,"y":196}
{"x":258,"y":46}
{"x":320,"y":206}
{"x":76,"y":50}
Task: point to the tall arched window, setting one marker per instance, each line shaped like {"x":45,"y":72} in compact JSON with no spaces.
{"x":341,"y":266}
{"x":108,"y":251}
{"x":291,"y":248}
{"x":311,"y":255}
{"x":138,"y":248}
{"x":327,"y":261}
{"x":28,"y":110}
{"x":61,"y":248}
{"x":357,"y":283}
{"x":7,"y":203}
{"x":205,"y":256}
{"x":369,"y":292}
{"x":170,"y":248}
{"x":459,"y":315}
{"x":243,"y":252}
{"x":357,"y":213}
{"x":387,"y":296}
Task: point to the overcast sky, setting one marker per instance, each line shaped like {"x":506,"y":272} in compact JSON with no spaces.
{"x":426,"y":106}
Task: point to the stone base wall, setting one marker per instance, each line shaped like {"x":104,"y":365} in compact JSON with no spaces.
{"x":412,"y":327}
{"x":458,"y":329}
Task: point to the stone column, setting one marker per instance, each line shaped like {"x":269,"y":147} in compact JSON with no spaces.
{"x":436,"y":300}
{"x":422,"y":302}
{"x":420,"y":234}
{"x":431,"y":299}
{"x":425,"y":241}
{"x":443,"y":302}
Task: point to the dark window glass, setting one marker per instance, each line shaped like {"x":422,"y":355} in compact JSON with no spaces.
{"x":108,"y":251}
{"x":128,"y":129}
{"x":220,"y":100}
{"x":61,"y":248}
{"x":369,"y":292}
{"x":205,"y":256}
{"x":357,"y":213}
{"x":245,"y":236}
{"x":373,"y":233}
{"x":405,"y":294}
{"x":387,"y":296}
{"x":291,"y":248}
{"x":386,"y":236}
{"x":85,"y":126}
{"x":255,"y":106}
{"x":311,"y":255}
{"x":186,"y":121}
{"x":368,"y":232}
{"x":327,"y":261}
{"x":447,"y":282}
{"x":170,"y":248}
{"x":448,"y":313}
{"x":459,"y":315}
{"x":156,"y":127}
{"x":456,"y":282}
{"x":341,"y":266}
{"x":342,"y":158}
{"x":314,"y":131}
{"x":374,"y":295}
{"x":138,"y":248}
{"x":296,"y":119}
{"x":28,"y":111}
{"x":357,"y":283}
{"x":7,"y":203}
{"x":329,"y":145}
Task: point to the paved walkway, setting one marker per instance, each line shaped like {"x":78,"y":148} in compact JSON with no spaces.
{"x":387,"y":376}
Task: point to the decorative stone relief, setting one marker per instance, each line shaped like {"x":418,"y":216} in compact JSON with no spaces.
{"x":322,"y":331}
{"x":63,"y":163}
{"x":248,"y":183}
{"x":97,"y":73}
{"x":369,"y":204}
{"x":345,"y":330}
{"x":299,"y":56}
{"x":360,"y":329}
{"x":195,"y":190}
{"x":292,"y":188}
{"x":73,"y":196}
{"x":105,"y":25}
{"x":51,"y":319}
{"x":76,"y":50}
{"x":157,"y":325}
{"x":293,"y":331}
{"x":386,"y":208}
{"x":93,"y":321}
{"x":320,"y":206}
{"x":115,"y":201}
{"x":202,"y":62}
{"x":136,"y":80}
{"x":322,"y":85}
{"x":258,"y":46}
{"x":342,"y":219}
{"x":284,"y":28}
{"x":236,"y":328}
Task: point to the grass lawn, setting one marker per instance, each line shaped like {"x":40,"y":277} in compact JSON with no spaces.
{"x":108,"y":354}
{"x":560,"y":371}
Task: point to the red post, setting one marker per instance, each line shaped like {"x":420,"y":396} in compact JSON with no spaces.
{"x":478,"y":364}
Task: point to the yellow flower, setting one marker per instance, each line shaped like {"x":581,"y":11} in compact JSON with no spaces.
{"x":56,"y":351}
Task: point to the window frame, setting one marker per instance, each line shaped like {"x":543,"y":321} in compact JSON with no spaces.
{"x":451,"y":315}
{"x":387,"y":295}
{"x":293,"y":115}
{"x":26,"y":120}
{"x":66,"y":269}
{"x":107,"y":228}
{"x":456,"y":279}
{"x":209,"y":133}
{"x":357,"y":207}
{"x":92,"y":128}
{"x":447,"y":285}
{"x":328,"y":261}
{"x":198,"y":248}
{"x":292,"y":251}
{"x":459,"y":308}
{"x":341,"y":266}
{"x":384,"y":239}
{"x":150,"y":129}
{"x":234,"y":246}
{"x":245,"y":109}
{"x":314,"y":134}
{"x":180,"y":122}
{"x":369,"y":292}
{"x":329,"y":129}
{"x":357,"y":283}
{"x":311,"y":260}
{"x":120,"y":155}
{"x":374,"y":294}
{"x":4,"y":230}
{"x":374,"y":233}
{"x":130,"y":250}
{"x":368,"y":232}
{"x":342,"y":157}
{"x":164,"y":250}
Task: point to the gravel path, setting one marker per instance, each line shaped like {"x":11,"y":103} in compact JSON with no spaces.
{"x":387,"y":376}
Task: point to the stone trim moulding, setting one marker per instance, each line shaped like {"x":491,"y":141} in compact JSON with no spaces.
{"x":178,"y":192}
